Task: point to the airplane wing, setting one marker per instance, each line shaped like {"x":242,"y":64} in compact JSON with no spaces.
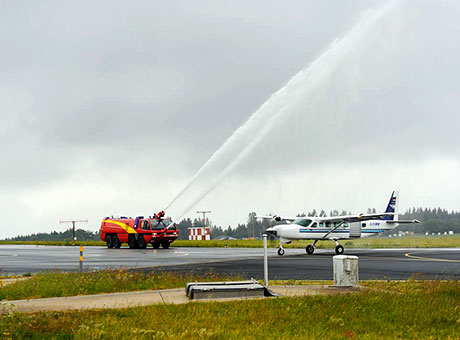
{"x":355,"y":218}
{"x":279,"y":218}
{"x":348,"y":218}
{"x":403,"y":221}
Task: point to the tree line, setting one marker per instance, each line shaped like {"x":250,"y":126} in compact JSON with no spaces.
{"x":82,"y":235}
{"x":433,"y":220}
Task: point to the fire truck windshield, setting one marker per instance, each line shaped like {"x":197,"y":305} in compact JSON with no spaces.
{"x":159,"y":225}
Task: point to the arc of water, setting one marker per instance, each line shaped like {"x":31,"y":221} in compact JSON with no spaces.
{"x":278,"y":106}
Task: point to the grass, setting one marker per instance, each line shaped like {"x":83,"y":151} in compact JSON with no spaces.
{"x":395,"y":310}
{"x":54,"y":284}
{"x":54,"y":243}
{"x":448,"y":241}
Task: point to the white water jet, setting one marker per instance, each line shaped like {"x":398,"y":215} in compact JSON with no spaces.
{"x":274,"y":111}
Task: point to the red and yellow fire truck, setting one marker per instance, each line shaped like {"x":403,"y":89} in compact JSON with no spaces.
{"x":138,"y":232}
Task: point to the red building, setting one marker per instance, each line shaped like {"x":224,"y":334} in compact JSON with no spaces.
{"x":199,"y":233}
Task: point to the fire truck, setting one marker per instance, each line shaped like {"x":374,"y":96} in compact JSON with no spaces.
{"x":138,"y":232}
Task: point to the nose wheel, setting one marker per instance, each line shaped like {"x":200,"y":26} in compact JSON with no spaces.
{"x":281,"y":249}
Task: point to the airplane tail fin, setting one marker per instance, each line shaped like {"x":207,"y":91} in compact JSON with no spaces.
{"x":392,"y":207}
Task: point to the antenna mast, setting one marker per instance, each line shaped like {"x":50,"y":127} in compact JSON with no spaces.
{"x":73,"y":226}
{"x":204,"y":212}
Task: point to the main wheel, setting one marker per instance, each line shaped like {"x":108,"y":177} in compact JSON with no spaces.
{"x":165,"y":245}
{"x":310,"y":249}
{"x":339,"y":250}
{"x":280,"y":251}
{"x":155,"y":245}
{"x":116,"y":242}
{"x":141,"y":242}
{"x":109,"y":241}
{"x":132,"y":243}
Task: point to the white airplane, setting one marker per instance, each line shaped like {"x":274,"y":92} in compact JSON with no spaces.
{"x":335,"y":228}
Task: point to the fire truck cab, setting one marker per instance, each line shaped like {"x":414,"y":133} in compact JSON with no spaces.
{"x":138,"y":232}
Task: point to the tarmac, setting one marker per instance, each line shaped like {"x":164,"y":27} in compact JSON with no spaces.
{"x":149,"y":297}
{"x":374,"y":264}
{"x":394,"y":264}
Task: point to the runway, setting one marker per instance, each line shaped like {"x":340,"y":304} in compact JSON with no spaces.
{"x":373,"y":263}
{"x":392,"y":264}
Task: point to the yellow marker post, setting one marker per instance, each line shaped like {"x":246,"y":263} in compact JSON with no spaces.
{"x":81,"y":259}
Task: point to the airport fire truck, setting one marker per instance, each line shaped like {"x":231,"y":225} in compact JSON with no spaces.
{"x":138,"y":232}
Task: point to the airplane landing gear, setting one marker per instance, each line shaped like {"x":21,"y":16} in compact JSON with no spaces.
{"x":338,"y":248}
{"x":310,"y":249}
{"x":281,"y":249}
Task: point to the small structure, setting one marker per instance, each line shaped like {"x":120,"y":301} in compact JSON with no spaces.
{"x":345,"y":270}
{"x":199,"y":233}
{"x":215,"y":290}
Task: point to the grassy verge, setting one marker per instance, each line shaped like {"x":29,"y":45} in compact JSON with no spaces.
{"x":54,"y":243}
{"x":449,"y":241}
{"x":53,"y":284}
{"x":413,"y":310}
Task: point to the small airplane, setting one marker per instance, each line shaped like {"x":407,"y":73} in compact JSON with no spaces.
{"x":335,"y":228}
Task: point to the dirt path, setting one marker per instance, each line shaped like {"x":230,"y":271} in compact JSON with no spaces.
{"x":144,"y":298}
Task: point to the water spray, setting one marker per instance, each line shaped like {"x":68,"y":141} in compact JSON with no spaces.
{"x":278,"y":108}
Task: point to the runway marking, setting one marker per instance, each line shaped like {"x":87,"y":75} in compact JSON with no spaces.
{"x":430,"y":258}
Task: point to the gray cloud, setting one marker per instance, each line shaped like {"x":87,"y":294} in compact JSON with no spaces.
{"x":115,"y":106}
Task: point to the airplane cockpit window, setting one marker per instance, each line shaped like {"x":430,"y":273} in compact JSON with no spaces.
{"x":303,"y":222}
{"x":314,"y":225}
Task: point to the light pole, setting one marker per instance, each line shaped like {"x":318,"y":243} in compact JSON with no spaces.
{"x":73,"y":226}
{"x":264,"y":236}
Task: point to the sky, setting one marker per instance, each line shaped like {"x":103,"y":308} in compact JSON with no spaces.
{"x":111,"y":107}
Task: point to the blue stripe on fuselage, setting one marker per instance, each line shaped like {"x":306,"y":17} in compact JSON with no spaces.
{"x":342,"y":231}
{"x":322,"y":231}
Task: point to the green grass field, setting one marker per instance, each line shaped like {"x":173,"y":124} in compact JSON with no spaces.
{"x":450,"y":241}
{"x":54,"y":284}
{"x":395,"y":310}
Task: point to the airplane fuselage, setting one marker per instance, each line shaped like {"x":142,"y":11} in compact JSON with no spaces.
{"x":318,"y":230}
{"x":336,"y":227}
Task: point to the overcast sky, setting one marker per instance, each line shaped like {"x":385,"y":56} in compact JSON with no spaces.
{"x":110,"y":107}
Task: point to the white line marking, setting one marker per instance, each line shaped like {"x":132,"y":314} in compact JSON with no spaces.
{"x":430,"y":258}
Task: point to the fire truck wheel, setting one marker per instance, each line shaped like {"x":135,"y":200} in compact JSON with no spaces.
{"x":165,"y":245}
{"x":132,"y":243}
{"x":109,"y":241}
{"x":155,"y":245}
{"x":141,"y":242}
{"x":116,"y":242}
